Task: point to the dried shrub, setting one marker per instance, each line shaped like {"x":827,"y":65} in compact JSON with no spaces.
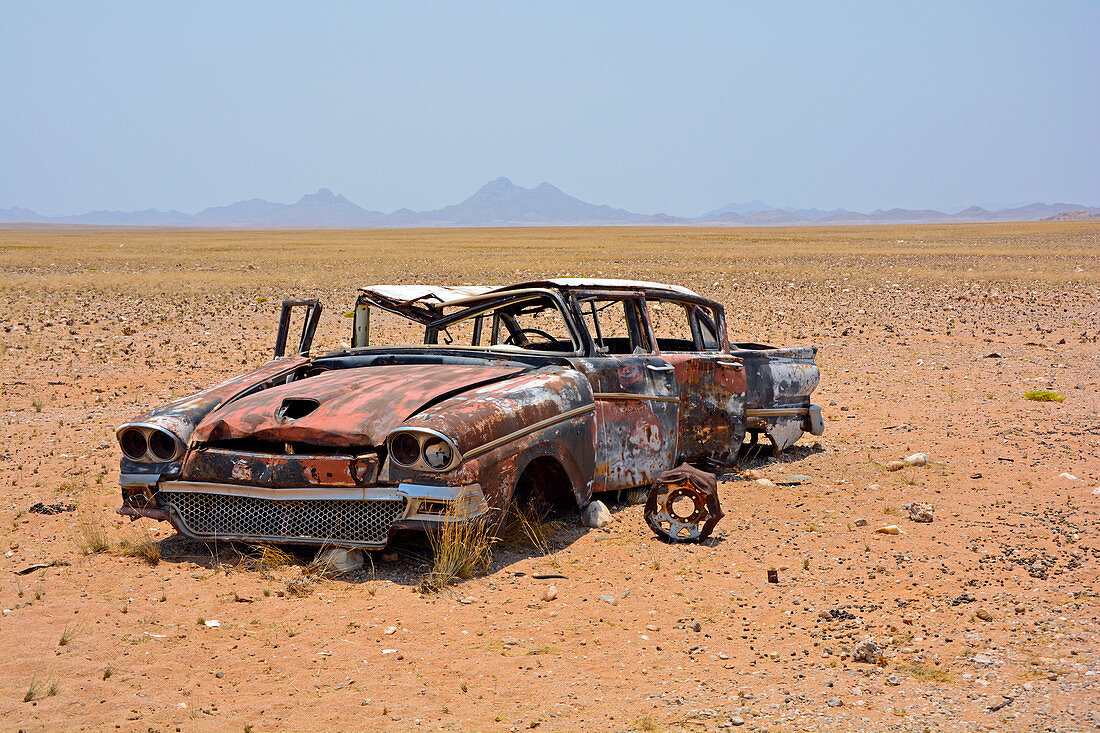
{"x":461,"y":548}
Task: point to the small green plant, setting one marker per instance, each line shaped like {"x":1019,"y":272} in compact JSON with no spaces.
{"x":54,"y":688}
{"x":37,"y":405}
{"x":1043,"y":395}
{"x":108,"y":671}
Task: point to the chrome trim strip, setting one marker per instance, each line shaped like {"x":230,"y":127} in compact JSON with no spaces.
{"x":775,"y":411}
{"x":138,"y":479}
{"x":493,"y":444}
{"x":469,"y":494}
{"x":263,"y":492}
{"x":630,"y":396}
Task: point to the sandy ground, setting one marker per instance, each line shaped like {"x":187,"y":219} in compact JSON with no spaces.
{"x":987,"y":617}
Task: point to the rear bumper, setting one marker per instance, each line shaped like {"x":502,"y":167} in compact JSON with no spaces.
{"x":341,"y":516}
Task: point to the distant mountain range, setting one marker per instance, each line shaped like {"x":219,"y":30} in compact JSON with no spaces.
{"x":502,"y":203}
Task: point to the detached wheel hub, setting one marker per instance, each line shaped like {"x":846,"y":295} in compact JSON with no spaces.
{"x":683,"y":505}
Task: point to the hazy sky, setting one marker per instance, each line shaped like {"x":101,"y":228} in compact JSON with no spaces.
{"x":678,"y":107}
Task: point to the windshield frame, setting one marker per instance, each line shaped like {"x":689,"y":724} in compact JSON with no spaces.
{"x":483,"y":304}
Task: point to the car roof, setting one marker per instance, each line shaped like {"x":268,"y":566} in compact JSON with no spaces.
{"x":442,"y":294}
{"x":600,"y":283}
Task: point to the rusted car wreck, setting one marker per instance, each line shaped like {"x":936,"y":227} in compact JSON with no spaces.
{"x":559,"y":389}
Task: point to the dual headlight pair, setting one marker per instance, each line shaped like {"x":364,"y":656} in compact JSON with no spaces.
{"x":423,"y":448}
{"x":146,"y":444}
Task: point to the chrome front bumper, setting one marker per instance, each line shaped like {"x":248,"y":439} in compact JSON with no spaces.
{"x":343,"y":516}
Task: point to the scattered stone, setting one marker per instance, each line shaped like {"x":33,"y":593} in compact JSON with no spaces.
{"x":341,"y":560}
{"x":867,"y":651}
{"x":1067,"y":476}
{"x":390,"y":630}
{"x":766,"y":483}
{"x":737,"y":720}
{"x":835,"y":702}
{"x":212,"y":623}
{"x":597,"y":515}
{"x":773,"y":575}
{"x":696,"y":627}
{"x":920,"y":513}
{"x":895,"y":466}
{"x":984,"y":614}
{"x":975,"y":475}
{"x":893,"y":680}
{"x":752,"y":474}
{"x":889,"y":529}
{"x":917,"y":459}
{"x":550,"y":593}
{"x":861,"y":522}
{"x":795,"y":480}
{"x":610,"y":599}
{"x":993,"y":355}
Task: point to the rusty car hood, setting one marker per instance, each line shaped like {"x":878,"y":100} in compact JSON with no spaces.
{"x":354,"y":407}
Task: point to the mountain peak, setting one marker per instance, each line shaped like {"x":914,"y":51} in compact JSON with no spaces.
{"x":323,"y":196}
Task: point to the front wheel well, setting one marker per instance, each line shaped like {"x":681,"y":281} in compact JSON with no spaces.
{"x":544,"y":481}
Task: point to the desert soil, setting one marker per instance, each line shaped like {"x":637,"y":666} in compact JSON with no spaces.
{"x":986,"y":618}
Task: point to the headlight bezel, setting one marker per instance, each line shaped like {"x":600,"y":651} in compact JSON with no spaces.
{"x":149,"y":435}
{"x":424,"y":438}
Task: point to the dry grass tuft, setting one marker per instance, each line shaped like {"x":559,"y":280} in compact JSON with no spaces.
{"x":93,"y":537}
{"x":530,"y":526}
{"x":461,"y":548}
{"x":925,"y":673}
{"x":146,"y":548}
{"x":270,"y":556}
{"x":300,"y":587}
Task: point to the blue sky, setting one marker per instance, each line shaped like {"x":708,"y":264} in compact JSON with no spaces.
{"x":678,"y":107}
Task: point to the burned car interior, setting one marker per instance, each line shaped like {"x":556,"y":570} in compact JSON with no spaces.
{"x":566,"y":387}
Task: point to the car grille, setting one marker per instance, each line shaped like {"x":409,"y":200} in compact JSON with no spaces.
{"x":362,"y":522}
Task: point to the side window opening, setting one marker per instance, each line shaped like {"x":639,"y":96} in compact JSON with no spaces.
{"x":614,"y":325}
{"x":683,"y":327}
{"x":672,"y":325}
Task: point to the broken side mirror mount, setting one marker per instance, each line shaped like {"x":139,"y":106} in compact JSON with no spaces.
{"x":309,"y":326}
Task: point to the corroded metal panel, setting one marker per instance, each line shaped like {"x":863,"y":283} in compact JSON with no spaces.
{"x":354,"y":407}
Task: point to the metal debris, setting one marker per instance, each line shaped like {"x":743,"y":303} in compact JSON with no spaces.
{"x":665,"y":509}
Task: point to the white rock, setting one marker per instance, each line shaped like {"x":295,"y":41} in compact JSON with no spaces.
{"x":390,"y":630}
{"x":1067,"y":476}
{"x":550,"y":593}
{"x":341,"y":560}
{"x":213,"y":624}
{"x":766,"y":483}
{"x":917,"y":459}
{"x":890,"y":529}
{"x":597,"y":515}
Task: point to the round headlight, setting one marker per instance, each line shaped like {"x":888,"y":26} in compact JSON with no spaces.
{"x":404,"y":449}
{"x":437,"y":454}
{"x":162,"y":445}
{"x":133,"y":444}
